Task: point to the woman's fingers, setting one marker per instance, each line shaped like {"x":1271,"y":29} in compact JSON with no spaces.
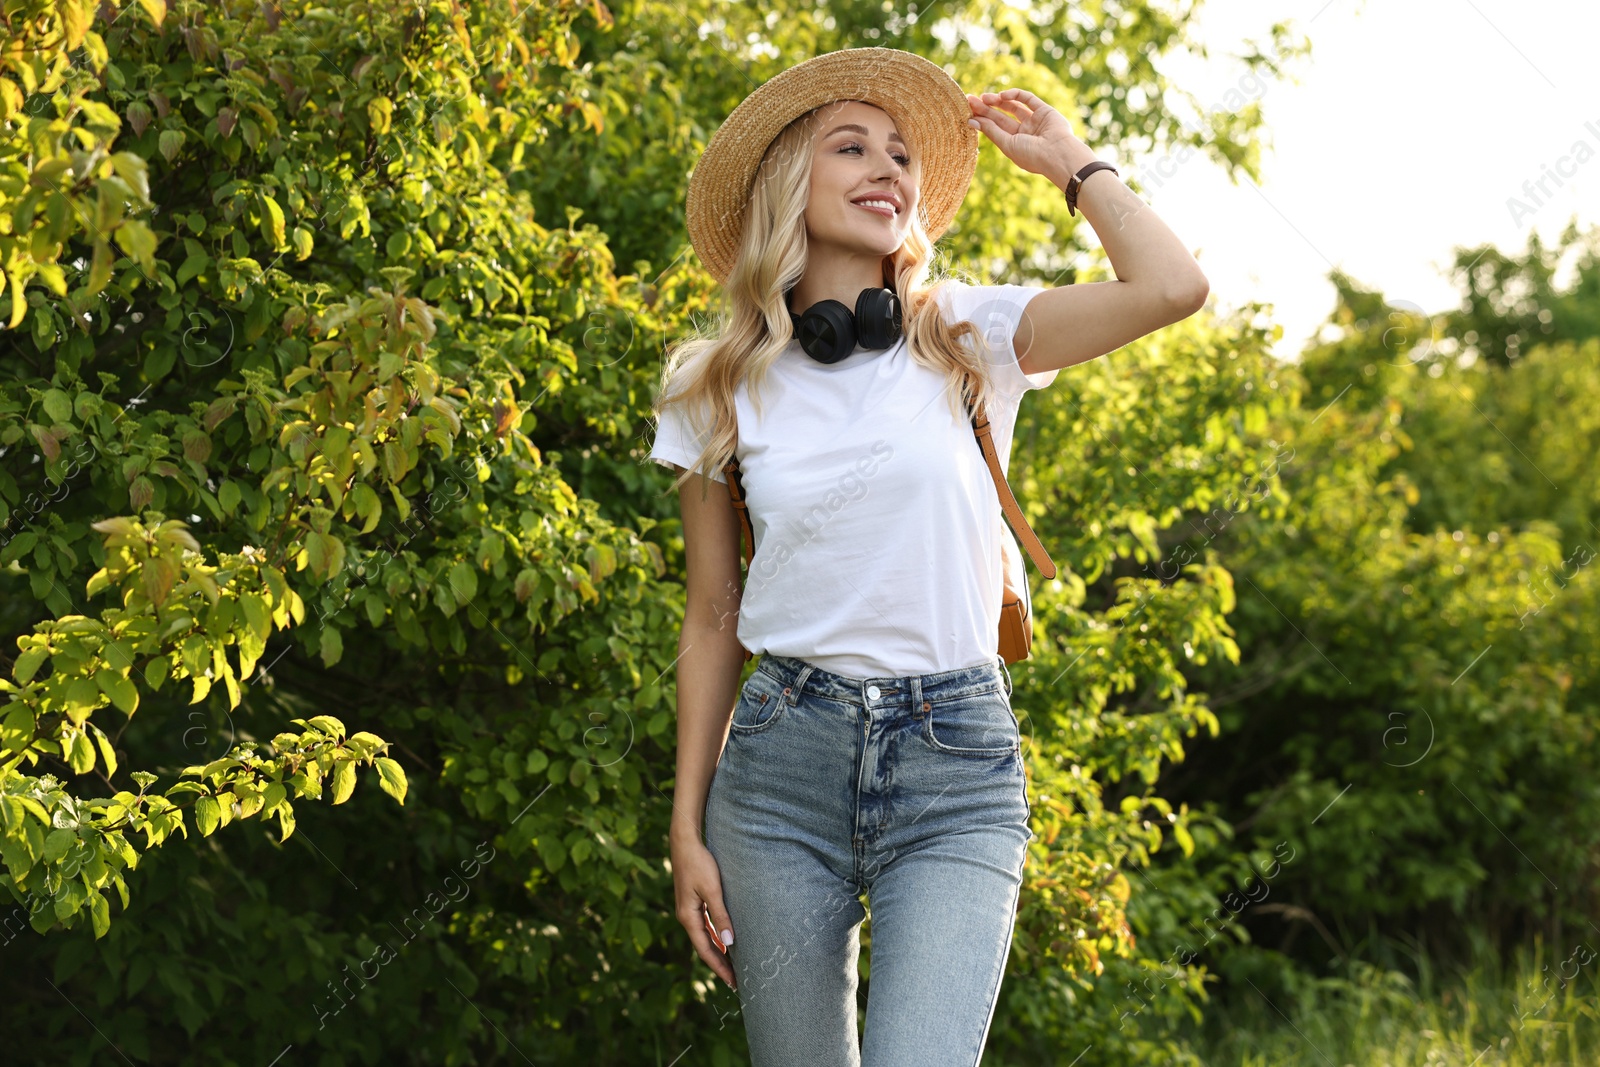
{"x":721,"y":925}
{"x":1024,"y":96}
{"x":1018,"y":103}
{"x":700,"y":936}
{"x":984,"y":111}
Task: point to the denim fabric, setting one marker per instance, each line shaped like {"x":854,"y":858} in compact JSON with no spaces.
{"x":910,"y":790}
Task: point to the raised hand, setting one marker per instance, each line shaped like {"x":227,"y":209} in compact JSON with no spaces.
{"x":1031,"y":133}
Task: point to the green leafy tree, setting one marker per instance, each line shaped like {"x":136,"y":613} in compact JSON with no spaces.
{"x":1418,"y":710}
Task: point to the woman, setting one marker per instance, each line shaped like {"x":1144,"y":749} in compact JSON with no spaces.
{"x":873,"y":750}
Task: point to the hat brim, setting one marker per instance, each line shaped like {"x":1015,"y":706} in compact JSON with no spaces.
{"x":926,"y":104}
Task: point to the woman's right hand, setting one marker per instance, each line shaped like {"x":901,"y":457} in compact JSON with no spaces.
{"x":698,"y":883}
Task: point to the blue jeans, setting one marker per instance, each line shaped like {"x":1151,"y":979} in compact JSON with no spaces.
{"x":911,"y":790}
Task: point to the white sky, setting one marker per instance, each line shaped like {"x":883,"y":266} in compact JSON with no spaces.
{"x":1412,"y":125}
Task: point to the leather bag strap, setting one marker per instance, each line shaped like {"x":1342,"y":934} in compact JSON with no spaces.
{"x":1008,"y":503}
{"x":736,"y":491}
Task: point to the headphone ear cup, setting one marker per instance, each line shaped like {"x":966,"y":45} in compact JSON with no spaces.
{"x":827,"y":331}
{"x":877,"y":318}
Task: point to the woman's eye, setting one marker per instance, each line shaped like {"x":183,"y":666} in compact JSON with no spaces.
{"x":903,"y":160}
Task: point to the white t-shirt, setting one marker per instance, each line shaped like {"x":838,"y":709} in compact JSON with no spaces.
{"x":876,"y":519}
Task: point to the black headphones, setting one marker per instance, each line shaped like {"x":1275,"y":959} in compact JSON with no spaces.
{"x":829,"y":332}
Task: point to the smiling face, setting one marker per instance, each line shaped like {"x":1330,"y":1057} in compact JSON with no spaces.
{"x":858,"y":156}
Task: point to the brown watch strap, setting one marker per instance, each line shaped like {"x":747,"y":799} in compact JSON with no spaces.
{"x":1008,"y":503}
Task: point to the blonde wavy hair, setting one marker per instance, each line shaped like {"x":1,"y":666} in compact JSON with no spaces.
{"x":702,"y":371}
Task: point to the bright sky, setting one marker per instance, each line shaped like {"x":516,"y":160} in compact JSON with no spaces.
{"x":1413,"y":126}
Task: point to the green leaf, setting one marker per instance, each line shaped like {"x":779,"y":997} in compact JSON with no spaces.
{"x":463,"y":581}
{"x":170,"y":142}
{"x":28,"y":662}
{"x":99,"y":914}
{"x":155,"y":672}
{"x":272,"y":225}
{"x":326,"y":552}
{"x":328,"y":724}
{"x":344,"y":780}
{"x":107,"y":755}
{"x":553,"y":852}
{"x":391,"y":778}
{"x":71,"y":897}
{"x":192,"y":267}
{"x":332,"y":645}
{"x":100,"y":266}
{"x":17,"y":728}
{"x":58,"y":844}
{"x":58,"y":405}
{"x":136,"y":239}
{"x":207,"y":814}
{"x":123,"y":693}
{"x":82,"y":753}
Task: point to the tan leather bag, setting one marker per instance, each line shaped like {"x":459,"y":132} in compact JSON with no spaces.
{"x":1016,"y":605}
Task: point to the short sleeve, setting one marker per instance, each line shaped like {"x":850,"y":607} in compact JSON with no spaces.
{"x":997,"y":310}
{"x":677,"y":443}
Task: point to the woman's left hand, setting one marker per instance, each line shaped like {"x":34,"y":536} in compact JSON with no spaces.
{"x":1031,"y":133}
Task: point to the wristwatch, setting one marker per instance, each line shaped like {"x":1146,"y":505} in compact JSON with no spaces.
{"x":1077,"y":180}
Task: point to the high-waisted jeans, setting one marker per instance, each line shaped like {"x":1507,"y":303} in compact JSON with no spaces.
{"x":909,"y":789}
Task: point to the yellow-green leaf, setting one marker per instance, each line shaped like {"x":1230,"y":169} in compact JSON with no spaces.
{"x":99,"y":914}
{"x":379,"y":111}
{"x":328,"y":724}
{"x":344,"y":780}
{"x":58,"y":405}
{"x":207,"y":814}
{"x":82,"y":757}
{"x":100,"y":266}
{"x":272,"y":224}
{"x":57,"y":844}
{"x":123,"y":693}
{"x":27,"y":663}
{"x":391,"y":778}
{"x":107,"y":754}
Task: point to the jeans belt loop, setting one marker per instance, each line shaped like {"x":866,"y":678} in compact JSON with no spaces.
{"x":799,"y":685}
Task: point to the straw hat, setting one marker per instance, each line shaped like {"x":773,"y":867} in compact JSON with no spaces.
{"x":926,"y":104}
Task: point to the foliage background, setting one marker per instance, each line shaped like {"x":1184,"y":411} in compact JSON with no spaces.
{"x":331,"y":332}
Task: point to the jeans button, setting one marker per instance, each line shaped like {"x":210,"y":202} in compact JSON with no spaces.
{"x":873,"y":692}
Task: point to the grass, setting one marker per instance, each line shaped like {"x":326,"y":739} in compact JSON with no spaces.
{"x":1542,"y":1011}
